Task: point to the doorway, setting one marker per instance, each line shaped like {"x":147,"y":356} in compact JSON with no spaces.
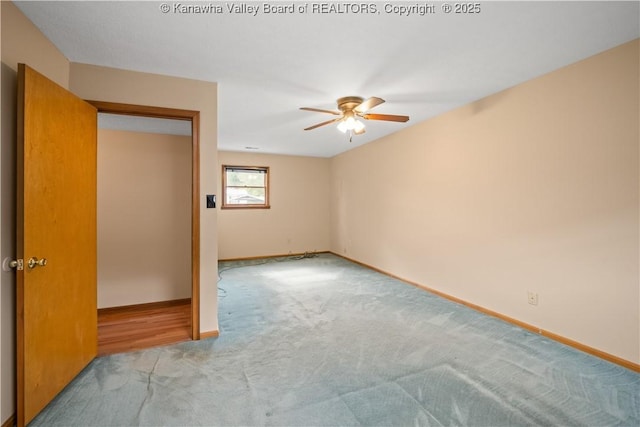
{"x":162,"y":309}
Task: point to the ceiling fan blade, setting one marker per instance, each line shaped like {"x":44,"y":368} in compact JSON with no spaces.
{"x":323,"y":123}
{"x":317,"y":110}
{"x":386,"y":117}
{"x":368,"y":104}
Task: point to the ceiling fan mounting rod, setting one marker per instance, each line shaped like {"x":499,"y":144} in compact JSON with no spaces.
{"x":348,"y":103}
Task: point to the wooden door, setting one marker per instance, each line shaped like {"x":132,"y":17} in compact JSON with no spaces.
{"x":56,"y":220}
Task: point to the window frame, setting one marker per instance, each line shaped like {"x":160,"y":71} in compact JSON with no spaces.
{"x":263,"y":169}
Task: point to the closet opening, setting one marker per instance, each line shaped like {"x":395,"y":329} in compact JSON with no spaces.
{"x":147,"y":227}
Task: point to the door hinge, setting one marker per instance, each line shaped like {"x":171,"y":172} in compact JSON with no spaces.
{"x":9,"y":263}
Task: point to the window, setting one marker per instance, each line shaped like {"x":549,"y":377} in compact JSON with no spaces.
{"x":245,"y":187}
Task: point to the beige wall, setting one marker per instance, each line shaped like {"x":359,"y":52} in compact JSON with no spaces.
{"x":130,"y":87}
{"x":532,"y":189}
{"x":20,"y":42}
{"x":23,"y":42}
{"x":144,"y":217}
{"x":535,"y":188}
{"x":298,"y":220}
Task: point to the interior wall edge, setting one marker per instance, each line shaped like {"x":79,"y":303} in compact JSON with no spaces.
{"x":274,"y":256}
{"x":113,"y":85}
{"x":10,"y":422}
{"x":548,"y":334}
{"x":209,"y":334}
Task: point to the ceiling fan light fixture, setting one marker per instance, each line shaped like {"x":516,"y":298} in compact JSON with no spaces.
{"x":351,"y":109}
{"x":349,"y":123}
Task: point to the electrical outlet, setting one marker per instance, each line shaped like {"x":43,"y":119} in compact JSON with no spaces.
{"x":532,"y":298}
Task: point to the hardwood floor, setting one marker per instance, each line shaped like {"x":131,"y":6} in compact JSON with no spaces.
{"x":136,"y":327}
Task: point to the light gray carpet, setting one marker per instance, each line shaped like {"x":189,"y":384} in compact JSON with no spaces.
{"x":325,"y":342}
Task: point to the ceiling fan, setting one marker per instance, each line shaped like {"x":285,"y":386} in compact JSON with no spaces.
{"x":351,"y":108}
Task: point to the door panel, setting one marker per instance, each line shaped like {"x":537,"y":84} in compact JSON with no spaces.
{"x":56,"y":220}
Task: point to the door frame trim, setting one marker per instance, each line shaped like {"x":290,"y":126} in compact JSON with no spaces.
{"x":194,"y":117}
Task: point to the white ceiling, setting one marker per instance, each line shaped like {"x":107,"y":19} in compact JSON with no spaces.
{"x":269,"y":65}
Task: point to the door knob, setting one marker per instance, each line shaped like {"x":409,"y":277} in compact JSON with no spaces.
{"x":34,"y":262}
